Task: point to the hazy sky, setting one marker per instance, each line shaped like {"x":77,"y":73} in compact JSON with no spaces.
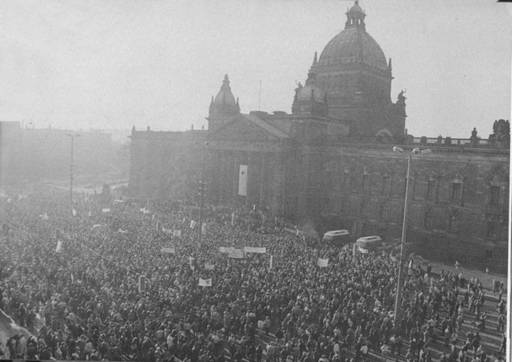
{"x":114,"y":64}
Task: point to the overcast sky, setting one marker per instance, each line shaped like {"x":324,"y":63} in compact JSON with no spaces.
{"x":114,"y":64}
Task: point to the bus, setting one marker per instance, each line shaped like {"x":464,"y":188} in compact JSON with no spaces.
{"x":337,"y":237}
{"x":368,"y":243}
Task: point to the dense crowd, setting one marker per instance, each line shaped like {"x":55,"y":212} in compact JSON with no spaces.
{"x":94,"y":284}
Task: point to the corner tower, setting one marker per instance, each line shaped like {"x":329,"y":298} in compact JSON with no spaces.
{"x":352,"y":70}
{"x":223,"y":106}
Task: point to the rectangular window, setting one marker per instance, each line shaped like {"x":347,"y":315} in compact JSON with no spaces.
{"x":364,"y":183}
{"x":492,"y":229}
{"x":494,"y":198}
{"x":430,"y":189}
{"x":456,"y":191}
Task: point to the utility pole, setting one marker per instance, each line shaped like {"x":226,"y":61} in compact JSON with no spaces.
{"x":398,"y":299}
{"x":201,"y":192}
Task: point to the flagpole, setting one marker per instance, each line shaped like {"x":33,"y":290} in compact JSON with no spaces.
{"x":402,"y":245}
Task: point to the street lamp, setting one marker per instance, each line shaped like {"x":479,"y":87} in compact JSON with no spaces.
{"x":201,"y":191}
{"x":398,"y":300}
{"x":72,"y":136}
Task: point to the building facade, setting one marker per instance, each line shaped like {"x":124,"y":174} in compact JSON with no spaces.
{"x":38,"y":154}
{"x":330,"y":162}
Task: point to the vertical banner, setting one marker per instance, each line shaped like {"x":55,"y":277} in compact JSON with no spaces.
{"x":271,"y":264}
{"x":242,"y":181}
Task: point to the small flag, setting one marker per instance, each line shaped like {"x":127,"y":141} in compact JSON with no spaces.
{"x":192,"y":224}
{"x":410,"y":264}
{"x":191,"y":262}
{"x":203,"y":229}
{"x":58,"y":249}
{"x":205,"y":282}
{"x":398,"y":149}
{"x":44,"y":216}
{"x":233,"y":218}
{"x":176,"y":233}
{"x":73,"y":212}
{"x":393,"y":258}
{"x":105,"y":210}
{"x":209,"y":266}
{"x":121,"y":231}
{"x":457,"y":264}
{"x":322,"y":263}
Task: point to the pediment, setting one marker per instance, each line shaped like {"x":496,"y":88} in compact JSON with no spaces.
{"x":243,"y":128}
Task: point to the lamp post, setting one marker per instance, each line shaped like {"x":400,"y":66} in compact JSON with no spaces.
{"x":201,"y":192}
{"x":403,"y":240}
{"x":72,"y":137}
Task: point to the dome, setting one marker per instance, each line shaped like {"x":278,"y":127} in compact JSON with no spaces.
{"x":354,"y":44}
{"x":225,"y":97}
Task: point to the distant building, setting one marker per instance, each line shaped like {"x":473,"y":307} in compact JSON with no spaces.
{"x":330,"y":162}
{"x":38,"y":154}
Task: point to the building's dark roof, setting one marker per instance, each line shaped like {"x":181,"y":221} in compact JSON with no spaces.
{"x":353,"y":44}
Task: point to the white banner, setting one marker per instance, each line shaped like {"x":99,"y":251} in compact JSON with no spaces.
{"x":271,"y":264}
{"x":255,"y":250}
{"x":226,"y":249}
{"x":105,"y":210}
{"x":176,"y":233}
{"x":167,"y":231}
{"x":58,"y":249}
{"x":322,"y":263}
{"x":203,"y":229}
{"x":171,"y":250}
{"x":242,"y":180}
{"x":236,"y":254}
{"x":205,"y":282}
{"x":192,"y":224}
{"x":209,"y":266}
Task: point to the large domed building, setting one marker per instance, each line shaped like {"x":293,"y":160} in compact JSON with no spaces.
{"x":353,"y":72}
{"x":330,"y":162}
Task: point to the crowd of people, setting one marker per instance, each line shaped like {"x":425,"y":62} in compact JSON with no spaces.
{"x":122,"y":282}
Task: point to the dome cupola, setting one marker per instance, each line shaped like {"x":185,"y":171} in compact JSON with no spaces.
{"x":223,"y":106}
